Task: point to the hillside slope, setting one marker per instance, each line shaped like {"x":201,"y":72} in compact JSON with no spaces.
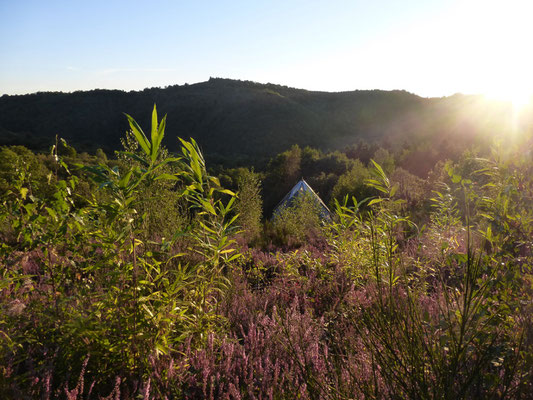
{"x":241,"y":122}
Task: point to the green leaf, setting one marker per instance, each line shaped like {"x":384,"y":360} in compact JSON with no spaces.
{"x":147,"y":310}
{"x":234,"y":257}
{"x":232,"y":220}
{"x":215,"y":180}
{"x":125,"y":180}
{"x":160,"y":349}
{"x":380,"y":172}
{"x":139,"y":135}
{"x":393,"y":190}
{"x":154,"y":125}
{"x":24,"y":192}
{"x":208,"y":206}
{"x":62,"y":163}
{"x":374,"y":201}
{"x":161,"y":131}
{"x":226,"y":191}
{"x":155,"y":137}
{"x":376,"y":185}
{"x":52,"y":213}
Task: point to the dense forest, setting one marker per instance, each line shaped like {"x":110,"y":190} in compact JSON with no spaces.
{"x":146,"y":272}
{"x":242,"y":123}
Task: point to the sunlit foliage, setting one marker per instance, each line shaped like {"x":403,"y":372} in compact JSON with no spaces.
{"x":128,"y":277}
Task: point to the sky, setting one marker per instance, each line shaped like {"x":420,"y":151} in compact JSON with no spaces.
{"x":429,"y":47}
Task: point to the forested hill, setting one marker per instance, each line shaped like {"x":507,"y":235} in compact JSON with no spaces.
{"x":246,"y":122}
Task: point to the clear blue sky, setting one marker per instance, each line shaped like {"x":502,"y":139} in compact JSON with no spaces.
{"x":429,"y":47}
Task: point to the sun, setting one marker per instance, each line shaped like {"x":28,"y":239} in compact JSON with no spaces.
{"x":490,"y":42}
{"x":518,"y":97}
{"x":510,"y":84}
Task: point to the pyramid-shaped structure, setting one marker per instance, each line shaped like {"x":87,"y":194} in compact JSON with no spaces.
{"x":302,"y":187}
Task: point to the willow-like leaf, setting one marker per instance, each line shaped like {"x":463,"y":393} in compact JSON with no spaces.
{"x":161,"y":132}
{"x":154,"y":125}
{"x":139,"y":134}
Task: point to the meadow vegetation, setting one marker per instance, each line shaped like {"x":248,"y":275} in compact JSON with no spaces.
{"x":146,"y":275}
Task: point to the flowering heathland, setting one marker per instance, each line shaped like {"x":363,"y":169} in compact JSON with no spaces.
{"x":124,"y":279}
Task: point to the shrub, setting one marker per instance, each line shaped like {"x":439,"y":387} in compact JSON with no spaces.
{"x":294,"y":224}
{"x":96,"y":291}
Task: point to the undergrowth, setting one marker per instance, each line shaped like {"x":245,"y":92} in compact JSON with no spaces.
{"x":124,"y":280}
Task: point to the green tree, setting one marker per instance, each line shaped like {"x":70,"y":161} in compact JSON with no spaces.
{"x":353,"y":183}
{"x":283,"y":172}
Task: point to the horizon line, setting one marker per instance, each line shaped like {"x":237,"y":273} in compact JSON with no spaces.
{"x":234,"y":80}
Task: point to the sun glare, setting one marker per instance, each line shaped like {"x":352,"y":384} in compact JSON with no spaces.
{"x":493,"y":37}
{"x":518,"y":97}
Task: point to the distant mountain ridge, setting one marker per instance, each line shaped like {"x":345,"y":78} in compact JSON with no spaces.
{"x":243,"y":122}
